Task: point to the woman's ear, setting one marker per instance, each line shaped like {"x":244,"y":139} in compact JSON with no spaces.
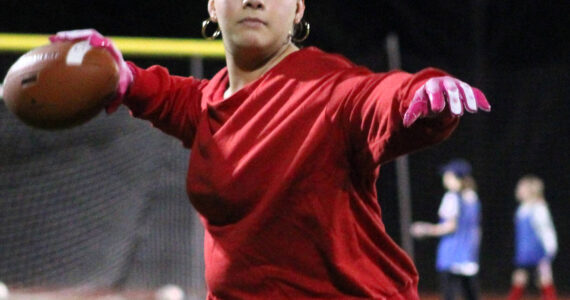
{"x":212,"y":10}
{"x":300,"y":12}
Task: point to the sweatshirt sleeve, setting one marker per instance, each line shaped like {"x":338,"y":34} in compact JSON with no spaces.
{"x":171,"y":103}
{"x":371,"y":112}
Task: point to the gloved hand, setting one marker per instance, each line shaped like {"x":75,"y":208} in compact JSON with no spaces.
{"x":97,"y":40}
{"x":432,"y":97}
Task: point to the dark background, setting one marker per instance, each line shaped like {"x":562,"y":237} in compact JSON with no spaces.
{"x":517,"y":52}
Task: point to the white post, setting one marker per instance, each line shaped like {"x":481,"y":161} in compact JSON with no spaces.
{"x":197,"y":67}
{"x":197,"y":231}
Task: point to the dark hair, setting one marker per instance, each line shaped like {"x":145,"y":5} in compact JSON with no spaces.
{"x":459,"y":167}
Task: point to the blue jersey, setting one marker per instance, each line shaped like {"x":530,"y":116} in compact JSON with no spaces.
{"x":458,"y":252}
{"x":535,"y":238}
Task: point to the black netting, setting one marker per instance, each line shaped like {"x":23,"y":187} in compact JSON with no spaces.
{"x":102,"y":205}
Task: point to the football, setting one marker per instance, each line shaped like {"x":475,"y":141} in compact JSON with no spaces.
{"x":60,"y":85}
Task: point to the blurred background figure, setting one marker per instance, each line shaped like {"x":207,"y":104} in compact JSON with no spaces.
{"x":459,"y":228}
{"x":535,"y":239}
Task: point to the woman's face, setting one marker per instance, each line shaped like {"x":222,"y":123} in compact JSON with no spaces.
{"x":256,"y":24}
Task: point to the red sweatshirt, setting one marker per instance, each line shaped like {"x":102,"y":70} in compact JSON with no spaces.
{"x":283,"y":173}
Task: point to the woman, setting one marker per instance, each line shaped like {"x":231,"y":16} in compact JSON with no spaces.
{"x":460,"y":232}
{"x":286,"y":147}
{"x":536,"y":243}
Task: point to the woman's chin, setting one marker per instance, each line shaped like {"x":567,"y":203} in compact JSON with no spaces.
{"x":250,"y":42}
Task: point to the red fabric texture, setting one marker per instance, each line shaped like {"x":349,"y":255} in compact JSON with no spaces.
{"x":548,"y":292}
{"x":283,"y":174}
{"x":516,"y":292}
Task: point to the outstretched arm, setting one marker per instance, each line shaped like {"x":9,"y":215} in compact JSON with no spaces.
{"x":389,"y":114}
{"x":425,"y":229}
{"x":449,"y":211}
{"x":171,"y":103}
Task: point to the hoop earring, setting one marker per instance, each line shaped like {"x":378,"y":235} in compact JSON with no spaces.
{"x":305,"y":29}
{"x":216,"y":33}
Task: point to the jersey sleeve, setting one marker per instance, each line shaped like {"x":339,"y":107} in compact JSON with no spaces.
{"x":542,"y":224}
{"x":171,"y":103}
{"x":371,"y":114}
{"x":449,"y":207}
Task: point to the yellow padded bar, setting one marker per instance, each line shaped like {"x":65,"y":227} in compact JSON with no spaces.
{"x":129,"y":46}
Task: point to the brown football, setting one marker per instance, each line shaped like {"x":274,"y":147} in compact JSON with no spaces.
{"x":60,"y":85}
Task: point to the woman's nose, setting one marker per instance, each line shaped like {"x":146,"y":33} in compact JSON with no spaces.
{"x":255,"y":4}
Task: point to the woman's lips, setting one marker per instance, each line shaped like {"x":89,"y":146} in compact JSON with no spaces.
{"x":254,"y":22}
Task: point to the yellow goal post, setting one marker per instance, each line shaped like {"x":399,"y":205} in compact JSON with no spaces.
{"x":196,"y":49}
{"x":129,"y":46}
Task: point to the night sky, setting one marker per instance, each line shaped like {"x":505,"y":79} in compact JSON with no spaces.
{"x":505,"y":32}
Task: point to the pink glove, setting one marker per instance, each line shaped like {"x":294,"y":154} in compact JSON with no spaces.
{"x":431,"y":98}
{"x":97,"y":40}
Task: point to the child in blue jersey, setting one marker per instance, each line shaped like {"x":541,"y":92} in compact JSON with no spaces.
{"x":460,"y":232}
{"x":535,"y":239}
